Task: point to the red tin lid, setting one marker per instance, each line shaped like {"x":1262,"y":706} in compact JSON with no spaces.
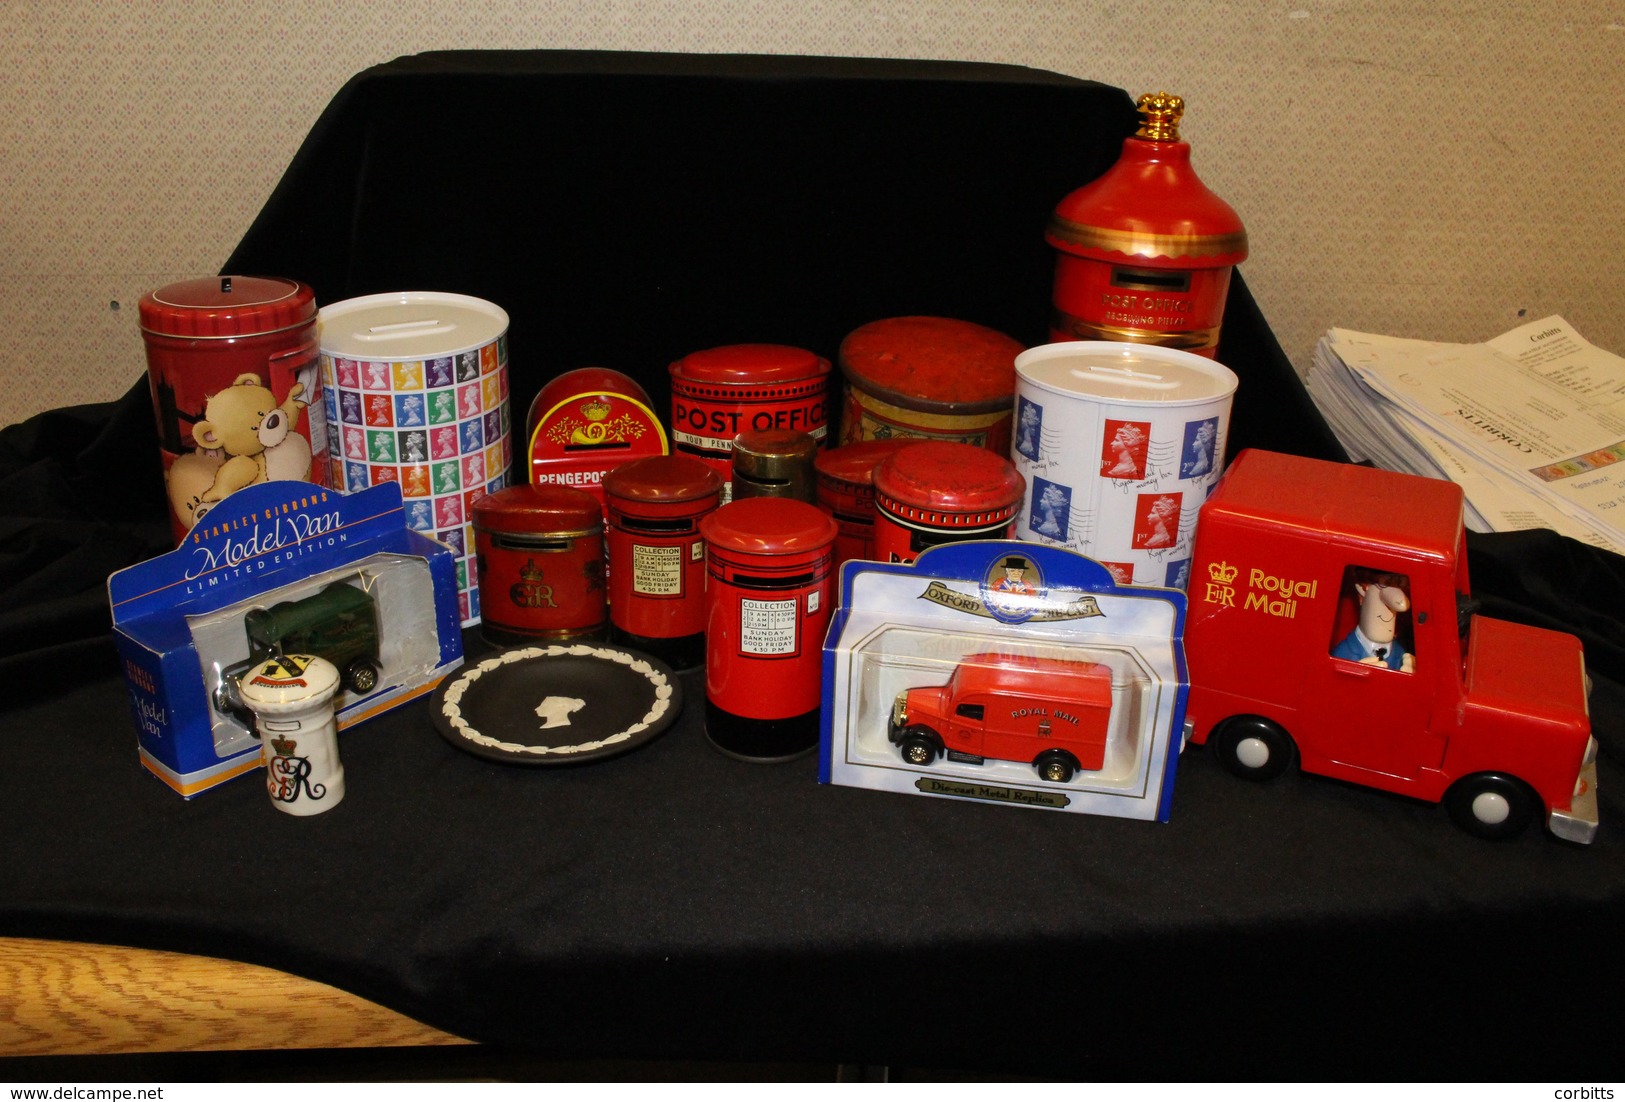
{"x":223,"y":307}
{"x":587,"y":380}
{"x":538,"y":510}
{"x":940,"y":365}
{"x":749,"y":365}
{"x":852,"y":466}
{"x":663,"y":478}
{"x":950,"y":477}
{"x":1151,"y":205}
{"x":769,"y":526}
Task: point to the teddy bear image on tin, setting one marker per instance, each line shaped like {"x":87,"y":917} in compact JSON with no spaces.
{"x":251,"y":437}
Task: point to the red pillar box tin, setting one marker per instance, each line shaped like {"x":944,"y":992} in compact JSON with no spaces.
{"x":232,"y":363}
{"x":420,"y":397}
{"x":540,"y":556}
{"x":846,"y":491}
{"x":586,"y":422}
{"x":929,"y":378}
{"x":769,"y":595}
{"x":718,"y":393}
{"x":656,"y":555}
{"x":1145,"y":250}
{"x":942,"y":492}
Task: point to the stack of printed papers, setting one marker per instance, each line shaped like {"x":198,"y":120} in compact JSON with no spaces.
{"x":1530,"y":424}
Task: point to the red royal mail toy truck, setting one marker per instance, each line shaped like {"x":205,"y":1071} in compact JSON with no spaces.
{"x":1329,"y":619}
{"x":1053,"y":712}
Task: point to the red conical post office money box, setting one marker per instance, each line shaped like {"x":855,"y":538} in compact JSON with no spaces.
{"x":1145,"y":250}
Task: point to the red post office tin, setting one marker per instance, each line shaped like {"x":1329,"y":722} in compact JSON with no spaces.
{"x":770,"y":591}
{"x":1144,"y":253}
{"x":718,"y":393}
{"x":846,"y":491}
{"x":539,"y":551}
{"x":586,"y":422}
{"x":929,"y":378}
{"x":942,"y":492}
{"x":656,"y":555}
{"x":233,"y":365}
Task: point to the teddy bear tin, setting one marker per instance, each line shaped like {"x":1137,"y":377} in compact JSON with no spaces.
{"x":232,"y":363}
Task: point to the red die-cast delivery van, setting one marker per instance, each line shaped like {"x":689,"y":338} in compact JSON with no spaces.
{"x":1052,"y":712}
{"x":1329,"y":621}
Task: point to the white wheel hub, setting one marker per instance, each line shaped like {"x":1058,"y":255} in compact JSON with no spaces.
{"x":1491,"y":808}
{"x":1254,"y":753}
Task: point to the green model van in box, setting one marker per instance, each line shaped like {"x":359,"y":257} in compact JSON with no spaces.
{"x":339,"y":623}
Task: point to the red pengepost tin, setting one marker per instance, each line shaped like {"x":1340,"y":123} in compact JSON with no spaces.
{"x":931,"y":379}
{"x":718,"y":393}
{"x":656,"y":554}
{"x":232,"y":361}
{"x":846,"y":491}
{"x":942,"y":492}
{"x":539,"y":551}
{"x":770,"y":590}
{"x":586,"y":422}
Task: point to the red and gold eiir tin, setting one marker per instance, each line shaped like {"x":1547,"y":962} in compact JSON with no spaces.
{"x":233,"y":365}
{"x":846,"y":491}
{"x":929,"y":379}
{"x":718,"y":393}
{"x":942,"y":492}
{"x":770,"y":590}
{"x":1146,"y":250}
{"x":656,"y":555}
{"x":585,"y":423}
{"x":539,"y":551}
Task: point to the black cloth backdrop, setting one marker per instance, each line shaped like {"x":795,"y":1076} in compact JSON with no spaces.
{"x":626,"y":209}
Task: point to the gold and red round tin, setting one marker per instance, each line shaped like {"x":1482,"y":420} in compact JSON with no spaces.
{"x":1145,"y":251}
{"x":942,"y":492}
{"x":232,"y":361}
{"x":656,"y":555}
{"x":770,"y":591}
{"x":931,"y":379}
{"x":718,"y":393}
{"x":539,"y":551}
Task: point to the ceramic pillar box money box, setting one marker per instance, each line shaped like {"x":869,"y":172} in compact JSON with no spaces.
{"x":291,"y":697}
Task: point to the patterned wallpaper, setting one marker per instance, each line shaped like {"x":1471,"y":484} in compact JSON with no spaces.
{"x":1428,"y":170}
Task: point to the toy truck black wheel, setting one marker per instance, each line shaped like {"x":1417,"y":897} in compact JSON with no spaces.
{"x":1253,"y":748}
{"x":919,"y":745}
{"x":1491,"y":805}
{"x":1056,"y":765}
{"x":361,"y":676}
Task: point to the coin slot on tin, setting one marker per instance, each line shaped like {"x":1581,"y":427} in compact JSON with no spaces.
{"x":1146,"y":279}
{"x":782,"y":581}
{"x":511,"y":542}
{"x":657,"y":525}
{"x":401,"y":330}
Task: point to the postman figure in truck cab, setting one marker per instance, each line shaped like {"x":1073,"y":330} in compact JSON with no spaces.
{"x":1309,"y":580}
{"x":1375,"y":639}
